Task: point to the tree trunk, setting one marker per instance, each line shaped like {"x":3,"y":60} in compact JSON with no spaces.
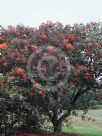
{"x":57,"y":129}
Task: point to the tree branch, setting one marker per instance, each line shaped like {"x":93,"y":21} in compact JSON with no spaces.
{"x":72,"y":103}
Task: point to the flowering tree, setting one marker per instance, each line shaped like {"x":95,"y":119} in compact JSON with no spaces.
{"x":54,"y":67}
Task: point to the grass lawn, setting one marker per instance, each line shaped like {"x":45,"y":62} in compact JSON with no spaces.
{"x":87,"y":127}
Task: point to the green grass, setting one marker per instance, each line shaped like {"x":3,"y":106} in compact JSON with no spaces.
{"x":87,"y":127}
{"x":84,"y":131}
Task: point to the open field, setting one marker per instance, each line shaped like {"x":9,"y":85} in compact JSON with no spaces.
{"x":92,"y":127}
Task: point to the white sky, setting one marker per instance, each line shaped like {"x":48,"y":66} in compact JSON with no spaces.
{"x":34,"y":12}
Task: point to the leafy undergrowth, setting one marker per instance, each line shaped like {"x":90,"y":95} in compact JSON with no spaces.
{"x":40,"y":133}
{"x":43,"y":134}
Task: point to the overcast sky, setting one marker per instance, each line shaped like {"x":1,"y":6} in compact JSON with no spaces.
{"x":34,"y":12}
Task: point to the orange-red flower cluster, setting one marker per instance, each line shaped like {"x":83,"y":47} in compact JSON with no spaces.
{"x":34,"y":48}
{"x":3,"y":46}
{"x":43,"y":36}
{"x":19,"y":71}
{"x":87,"y":76}
{"x":50,"y":49}
{"x":35,"y":85}
{"x":69,"y":46}
{"x":40,"y":91}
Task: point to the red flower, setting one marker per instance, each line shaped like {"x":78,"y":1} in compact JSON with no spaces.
{"x":61,"y":36}
{"x":3,"y":46}
{"x":71,"y":38}
{"x":13,"y":71}
{"x":43,"y":36}
{"x":84,"y":68}
{"x":30,"y":94}
{"x":97,"y":44}
{"x":65,"y":41}
{"x":19,"y":70}
{"x":69,"y":46}
{"x":25,"y":76}
{"x":40,"y":91}
{"x":50,"y":49}
{"x":18,"y":34}
{"x":5,"y":64}
{"x":9,"y":29}
{"x":87,"y":76}
{"x":34,"y":48}
{"x":88,"y":53}
{"x":35,"y":85}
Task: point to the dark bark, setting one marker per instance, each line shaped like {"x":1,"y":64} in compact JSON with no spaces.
{"x":55,"y":121}
{"x":57,"y":128}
